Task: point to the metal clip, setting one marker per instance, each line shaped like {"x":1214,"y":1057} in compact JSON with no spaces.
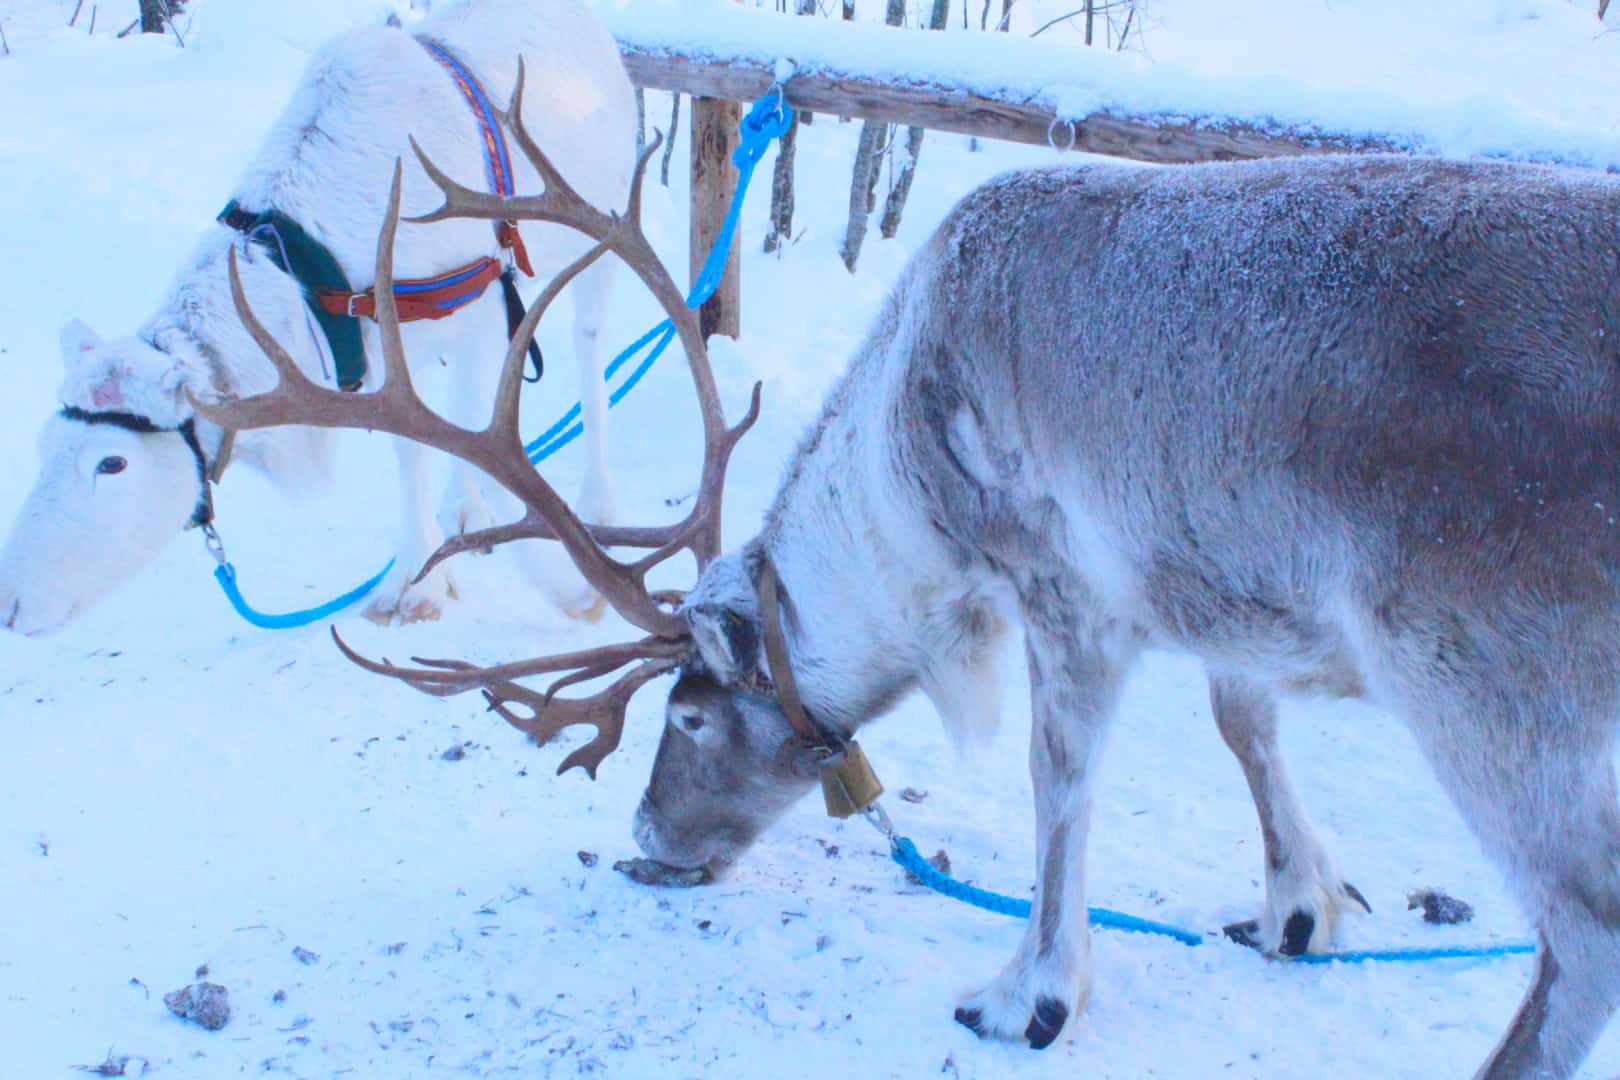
{"x":848,"y":783}
{"x":216,"y":546}
{"x":878,"y":818}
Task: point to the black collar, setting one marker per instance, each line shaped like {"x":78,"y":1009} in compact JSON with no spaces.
{"x":202,"y":514}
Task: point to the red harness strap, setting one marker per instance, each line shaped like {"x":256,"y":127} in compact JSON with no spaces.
{"x":419,"y":298}
{"x":442,"y":295}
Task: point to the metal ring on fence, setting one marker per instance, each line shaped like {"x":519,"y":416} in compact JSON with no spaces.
{"x":1051,"y":134}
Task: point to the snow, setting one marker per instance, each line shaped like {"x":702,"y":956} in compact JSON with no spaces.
{"x":181,"y":790}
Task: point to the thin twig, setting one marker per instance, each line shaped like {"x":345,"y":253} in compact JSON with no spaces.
{"x":75,"y":19}
{"x":5,"y":49}
{"x":168,"y":18}
{"x":1095,"y":9}
{"x":94,"y":10}
{"x":1125,"y":33}
{"x":125,"y":32}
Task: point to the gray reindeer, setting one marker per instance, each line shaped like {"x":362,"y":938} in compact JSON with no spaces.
{"x":1340,"y":425}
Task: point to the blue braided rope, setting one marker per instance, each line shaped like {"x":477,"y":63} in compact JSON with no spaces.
{"x":225,"y":574}
{"x":904,"y":852}
{"x":769,"y":117}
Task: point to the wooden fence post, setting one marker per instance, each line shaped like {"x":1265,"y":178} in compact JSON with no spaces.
{"x":714,"y":180}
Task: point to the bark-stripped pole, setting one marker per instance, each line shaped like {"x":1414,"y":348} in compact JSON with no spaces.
{"x":714,"y":180}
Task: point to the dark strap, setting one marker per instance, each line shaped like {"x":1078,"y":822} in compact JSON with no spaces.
{"x":776,"y":658}
{"x":298,"y":254}
{"x":514,"y":317}
{"x":203,"y":513}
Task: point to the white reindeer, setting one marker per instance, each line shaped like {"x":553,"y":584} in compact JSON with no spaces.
{"x":108,"y":497}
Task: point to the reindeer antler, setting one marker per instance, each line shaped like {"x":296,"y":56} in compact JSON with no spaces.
{"x":497,"y":449}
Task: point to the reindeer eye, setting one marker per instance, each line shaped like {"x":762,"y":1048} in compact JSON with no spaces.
{"x":692,"y":722}
{"x":109,"y":466}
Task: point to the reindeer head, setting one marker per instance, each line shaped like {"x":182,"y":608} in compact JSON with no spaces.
{"x":116,"y":482}
{"x":731,"y":761}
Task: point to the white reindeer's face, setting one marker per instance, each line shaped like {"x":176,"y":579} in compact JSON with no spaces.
{"x":107,"y":499}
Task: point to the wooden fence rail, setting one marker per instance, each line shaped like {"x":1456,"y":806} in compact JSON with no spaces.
{"x":1012,"y":90}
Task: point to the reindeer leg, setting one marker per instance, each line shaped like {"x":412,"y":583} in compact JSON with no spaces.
{"x":419,"y":538}
{"x":1075,"y":674}
{"x":1304,"y":892}
{"x":474,"y":373}
{"x":1521,"y":735}
{"x":598,"y":502}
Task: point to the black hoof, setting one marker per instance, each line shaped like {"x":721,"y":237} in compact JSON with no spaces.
{"x":1246,"y":934}
{"x":1355,"y":894}
{"x":1044,"y":1026}
{"x":970,"y":1019}
{"x":1297,"y":934}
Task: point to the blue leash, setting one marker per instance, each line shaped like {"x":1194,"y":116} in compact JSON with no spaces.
{"x":225,"y":574}
{"x":904,"y":852}
{"x":770,"y":116}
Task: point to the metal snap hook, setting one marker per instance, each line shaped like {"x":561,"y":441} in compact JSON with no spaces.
{"x":215,"y":546}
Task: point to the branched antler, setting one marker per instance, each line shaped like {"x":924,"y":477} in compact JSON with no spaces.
{"x":497,"y":449}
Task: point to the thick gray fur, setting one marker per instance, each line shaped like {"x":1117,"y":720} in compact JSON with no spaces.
{"x":1345,"y":425}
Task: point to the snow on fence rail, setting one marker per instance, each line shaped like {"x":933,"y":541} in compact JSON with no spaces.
{"x":1015,"y":89}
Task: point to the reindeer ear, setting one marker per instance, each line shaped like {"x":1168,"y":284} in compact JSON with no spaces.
{"x":77,"y":339}
{"x":723,"y":612}
{"x":727,"y":639}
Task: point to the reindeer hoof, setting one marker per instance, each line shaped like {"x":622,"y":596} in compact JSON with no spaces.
{"x":1245,"y":933}
{"x":1296,"y":935}
{"x":424,"y":610}
{"x":972,"y":1019}
{"x":590,"y":613}
{"x":1044,"y":1027}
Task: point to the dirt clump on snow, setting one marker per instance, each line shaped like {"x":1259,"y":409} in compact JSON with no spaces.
{"x":206,"y":1004}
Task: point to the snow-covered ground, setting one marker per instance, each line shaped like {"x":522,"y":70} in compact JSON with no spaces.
{"x":180,"y":790}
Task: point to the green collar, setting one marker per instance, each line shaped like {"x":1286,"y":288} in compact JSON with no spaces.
{"x":310,"y":264}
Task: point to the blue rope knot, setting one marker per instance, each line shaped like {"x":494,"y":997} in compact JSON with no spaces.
{"x":767,"y":120}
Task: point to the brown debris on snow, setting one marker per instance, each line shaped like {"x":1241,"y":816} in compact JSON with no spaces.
{"x":206,"y":1004}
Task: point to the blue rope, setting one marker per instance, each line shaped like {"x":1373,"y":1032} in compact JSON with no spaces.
{"x":904,"y":852}
{"x":225,"y":574}
{"x":769,"y":117}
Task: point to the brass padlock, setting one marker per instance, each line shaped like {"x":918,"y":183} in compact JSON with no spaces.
{"x":848,"y":783}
